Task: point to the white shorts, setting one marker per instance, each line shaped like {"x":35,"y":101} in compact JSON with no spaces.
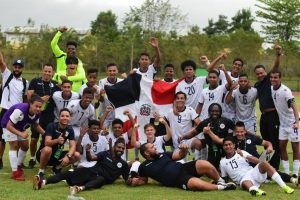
{"x":188,"y":142}
{"x":251,"y":127}
{"x":76,"y":132}
{"x":255,"y":177}
{"x":10,"y":137}
{"x":288,"y":133}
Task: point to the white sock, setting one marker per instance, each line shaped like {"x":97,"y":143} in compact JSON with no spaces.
{"x":221,"y":180}
{"x":21,"y":156}
{"x":41,"y":171}
{"x":276,"y":177}
{"x":252,"y":188}
{"x":13,"y":159}
{"x":32,"y":158}
{"x":286,"y":166}
{"x":296,"y":166}
{"x":44,"y":182}
{"x":221,"y":187}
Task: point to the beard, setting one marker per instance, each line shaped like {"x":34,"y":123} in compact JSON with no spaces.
{"x":155,"y":156}
{"x":17,"y":75}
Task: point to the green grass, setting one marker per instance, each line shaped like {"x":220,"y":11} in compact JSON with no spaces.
{"x":10,"y":189}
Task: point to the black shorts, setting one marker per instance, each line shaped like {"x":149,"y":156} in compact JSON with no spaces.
{"x":214,"y":158}
{"x":52,"y":161}
{"x":188,"y":171}
{"x":3,"y":111}
{"x":43,"y":122}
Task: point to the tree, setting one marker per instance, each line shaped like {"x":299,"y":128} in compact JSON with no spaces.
{"x":242,"y":20}
{"x":105,"y":26}
{"x":219,"y":27}
{"x":157,"y":16}
{"x":280,"y":19}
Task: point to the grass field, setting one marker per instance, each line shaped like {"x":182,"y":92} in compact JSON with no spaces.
{"x":10,"y":189}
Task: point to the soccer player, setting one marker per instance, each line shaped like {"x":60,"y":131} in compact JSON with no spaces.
{"x":82,"y":110}
{"x":44,"y":87}
{"x":159,"y":141}
{"x":93,"y":137}
{"x":51,"y":151}
{"x":286,"y":107}
{"x":108,"y":168}
{"x":92,"y":75}
{"x":164,"y":169}
{"x":192,"y":86}
{"x":214,"y":93}
{"x":145,"y":68}
{"x":269,"y":120}
{"x":220,"y":126}
{"x":62,"y":98}
{"x":244,"y":98}
{"x":169,"y":73}
{"x":235,"y":166}
{"x":61,"y":57}
{"x":15,"y":121}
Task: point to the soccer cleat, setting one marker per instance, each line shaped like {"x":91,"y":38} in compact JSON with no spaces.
{"x":288,"y":190}
{"x":295,"y":176}
{"x":20,"y":170}
{"x":17,"y":176}
{"x":37,"y":182}
{"x":31,"y":163}
{"x":295,"y":181}
{"x":74,"y":189}
{"x":227,"y":186}
{"x":258,"y":192}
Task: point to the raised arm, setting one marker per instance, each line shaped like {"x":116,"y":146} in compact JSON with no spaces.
{"x":229,"y":98}
{"x":278,"y":52}
{"x":228,"y":78}
{"x":213,"y":64}
{"x":178,"y":155}
{"x":54,"y":42}
{"x":83,"y":131}
{"x":188,"y":135}
{"x":154,"y":43}
{"x":133,"y":140}
{"x":168,"y":135}
{"x":132,"y":121}
{"x":108,"y":109}
{"x":2,"y":63}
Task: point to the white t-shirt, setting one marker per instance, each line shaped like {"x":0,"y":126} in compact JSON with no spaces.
{"x":181,"y":123}
{"x":281,"y":97}
{"x":223,"y":79}
{"x":60,"y":102}
{"x":236,"y":167}
{"x":158,"y":143}
{"x":80,"y":116}
{"x":98,"y":146}
{"x":208,"y":97}
{"x":150,"y":73}
{"x":245,"y":104}
{"x":192,"y":90}
{"x":14,"y":94}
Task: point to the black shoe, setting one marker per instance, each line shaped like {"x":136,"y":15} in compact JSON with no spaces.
{"x":23,"y":166}
{"x":295,"y":176}
{"x":55,"y":170}
{"x":228,"y":186}
{"x":1,"y":164}
{"x":31,"y":163}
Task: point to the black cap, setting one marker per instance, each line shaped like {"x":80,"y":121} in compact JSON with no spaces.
{"x":19,"y":62}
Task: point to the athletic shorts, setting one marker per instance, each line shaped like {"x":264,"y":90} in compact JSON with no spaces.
{"x":76,"y":132}
{"x":188,"y":171}
{"x":10,"y":137}
{"x":52,"y":161}
{"x":251,"y":127}
{"x":288,"y":133}
{"x":3,"y":111}
{"x":188,"y":142}
{"x":255,"y":177}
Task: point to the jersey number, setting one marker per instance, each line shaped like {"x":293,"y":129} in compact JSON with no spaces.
{"x":65,"y":104}
{"x":179,"y":119}
{"x":94,"y":147}
{"x":81,"y":115}
{"x":191,"y":90}
{"x":245,"y":99}
{"x":233,"y":164}
{"x":211,"y":96}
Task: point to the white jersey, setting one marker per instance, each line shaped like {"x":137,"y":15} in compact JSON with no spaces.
{"x":60,"y":102}
{"x":85,"y":86}
{"x":110,"y":117}
{"x":223,"y":79}
{"x":80,"y":116}
{"x":150,"y":73}
{"x":158,"y":143}
{"x":282,"y":98}
{"x":236,"y":167}
{"x":114,"y":139}
{"x":181,"y":123}
{"x":96,"y":147}
{"x":208,"y":97}
{"x":192,"y":90}
{"x":245,"y":105}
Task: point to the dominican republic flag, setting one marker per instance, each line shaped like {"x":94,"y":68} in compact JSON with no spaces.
{"x":142,"y":97}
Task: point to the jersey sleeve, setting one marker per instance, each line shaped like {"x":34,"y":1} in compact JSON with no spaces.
{"x":193,"y":114}
{"x":54,"y":45}
{"x":16,"y":116}
{"x":32,"y":84}
{"x":201,"y":99}
{"x":49,"y":130}
{"x":71,"y":135}
{"x":200,"y":127}
{"x":258,"y":140}
{"x":288,"y":96}
{"x":101,"y":155}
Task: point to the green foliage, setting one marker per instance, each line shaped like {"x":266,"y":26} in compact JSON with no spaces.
{"x":243,"y":19}
{"x":219,"y":27}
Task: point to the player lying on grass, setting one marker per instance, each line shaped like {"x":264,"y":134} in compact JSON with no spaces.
{"x":235,"y":165}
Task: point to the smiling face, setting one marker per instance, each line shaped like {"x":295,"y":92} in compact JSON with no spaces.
{"x":169,"y":73}
{"x":71,"y":50}
{"x":150,"y":132}
{"x":92,"y":78}
{"x":275,"y":79}
{"x":240,"y":132}
{"x":260,"y":73}
{"x":237,"y":67}
{"x":86,"y":100}
{"x":119,"y":149}
{"x":229,"y":147}
{"x":243,"y":82}
{"x":189,"y":72}
{"x":117,"y":130}
{"x":144,"y":61}
{"x":17,"y":70}
{"x":214,"y":112}
{"x":112,"y":72}
{"x":35,"y":107}
{"x":213,"y":79}
{"x":64,"y":118}
{"x":47,"y":73}
{"x":180,"y":100}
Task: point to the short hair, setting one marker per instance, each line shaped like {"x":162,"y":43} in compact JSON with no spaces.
{"x":34,"y":98}
{"x":169,"y":65}
{"x":239,"y":124}
{"x":72,"y":60}
{"x":148,"y":125}
{"x":238,"y":59}
{"x":91,"y":71}
{"x":276,"y":71}
{"x":64,"y":109}
{"x":72,"y":43}
{"x":94,"y":122}
{"x":259,"y":66}
{"x":88,"y":90}
{"x":144,"y":54}
{"x":120,"y":140}
{"x":143,"y":148}
{"x":66,"y":81}
{"x":49,"y":65}
{"x":111,"y":65}
{"x":243,"y":75}
{"x":187,"y":63}
{"x":117,"y":121}
{"x":180,"y":92}
{"x":214,"y":71}
{"x":228,"y":138}
{"x":214,"y":104}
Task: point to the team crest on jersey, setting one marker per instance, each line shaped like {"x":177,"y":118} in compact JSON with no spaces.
{"x":67,"y":133}
{"x":145,"y":110}
{"x":222,"y":126}
{"x":248,"y":141}
{"x":119,"y":165}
